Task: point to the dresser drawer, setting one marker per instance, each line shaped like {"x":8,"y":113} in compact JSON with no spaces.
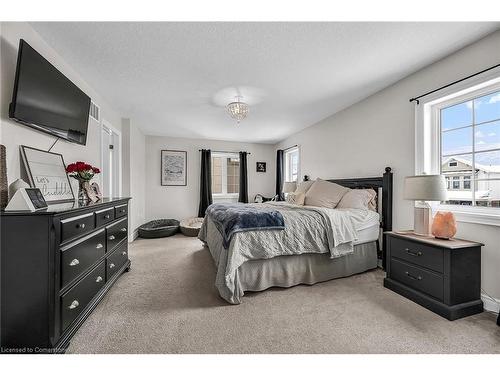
{"x":121,"y":211}
{"x":116,"y":260}
{"x":417,"y":253}
{"x":417,"y":278}
{"x":105,"y":216}
{"x":77,"y":226}
{"x":78,"y":256}
{"x":115,"y":233}
{"x":78,"y":297}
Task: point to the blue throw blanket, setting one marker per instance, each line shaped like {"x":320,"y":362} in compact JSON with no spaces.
{"x":230,"y":218}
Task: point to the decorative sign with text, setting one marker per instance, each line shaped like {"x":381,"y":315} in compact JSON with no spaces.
{"x":46,"y":171}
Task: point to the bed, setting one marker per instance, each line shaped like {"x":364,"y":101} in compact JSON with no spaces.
{"x":301,"y":253}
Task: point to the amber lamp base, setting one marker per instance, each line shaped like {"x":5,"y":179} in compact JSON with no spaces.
{"x":444,"y":225}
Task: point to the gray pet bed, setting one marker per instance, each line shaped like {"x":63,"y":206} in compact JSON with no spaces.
{"x":159,"y":228}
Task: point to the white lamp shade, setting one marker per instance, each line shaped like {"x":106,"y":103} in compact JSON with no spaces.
{"x":289,"y":187}
{"x":425,"y":188}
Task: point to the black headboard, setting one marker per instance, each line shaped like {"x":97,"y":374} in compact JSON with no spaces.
{"x":385,"y":183}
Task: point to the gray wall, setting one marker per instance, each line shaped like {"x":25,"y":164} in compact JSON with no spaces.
{"x":180,"y":202}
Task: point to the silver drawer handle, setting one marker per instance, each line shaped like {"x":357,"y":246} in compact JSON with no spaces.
{"x":413,"y":277}
{"x":123,"y":229}
{"x":74,"y":305}
{"x":124,"y":253}
{"x":80,"y":226}
{"x":112,"y":265}
{"x":74,"y":262}
{"x":412,"y":253}
{"x":111,"y":238}
{"x":99,"y":246}
{"x":106,"y":216}
{"x":99,"y":279}
{"x":122,"y":211}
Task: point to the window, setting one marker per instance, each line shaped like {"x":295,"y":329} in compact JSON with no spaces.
{"x":467,"y":182}
{"x":470,"y":147}
{"x":225,"y":174}
{"x":458,"y":135}
{"x":292,"y":164}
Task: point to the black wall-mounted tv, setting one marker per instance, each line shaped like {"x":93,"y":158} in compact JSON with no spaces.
{"x":46,"y":100}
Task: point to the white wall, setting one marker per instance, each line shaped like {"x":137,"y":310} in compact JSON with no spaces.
{"x":13,"y":134}
{"x":134,"y":174}
{"x":379,"y":131}
{"x":179,"y":202}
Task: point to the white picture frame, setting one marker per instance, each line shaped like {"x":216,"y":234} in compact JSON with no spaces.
{"x":47,"y":172}
{"x":173,"y":168}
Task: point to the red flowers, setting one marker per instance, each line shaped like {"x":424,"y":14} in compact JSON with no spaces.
{"x":82,"y":170}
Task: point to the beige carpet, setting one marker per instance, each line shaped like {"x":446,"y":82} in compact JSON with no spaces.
{"x":167,"y":303}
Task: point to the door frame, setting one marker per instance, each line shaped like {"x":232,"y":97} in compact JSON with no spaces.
{"x":106,"y":124}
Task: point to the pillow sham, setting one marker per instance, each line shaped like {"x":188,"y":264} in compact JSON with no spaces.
{"x":359,"y":198}
{"x":296,"y":198}
{"x":325,"y":194}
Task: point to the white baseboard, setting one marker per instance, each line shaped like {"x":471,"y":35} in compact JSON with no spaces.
{"x":490,"y":304}
{"x":135,"y":234}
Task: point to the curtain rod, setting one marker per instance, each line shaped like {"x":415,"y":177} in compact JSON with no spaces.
{"x":451,"y":84}
{"x":229,"y":152}
{"x":288,"y":148}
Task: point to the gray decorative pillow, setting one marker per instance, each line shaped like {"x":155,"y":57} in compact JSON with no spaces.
{"x":359,"y":198}
{"x":325,"y":194}
{"x":296,"y":198}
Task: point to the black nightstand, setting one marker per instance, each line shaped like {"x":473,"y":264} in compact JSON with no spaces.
{"x":441,"y":275}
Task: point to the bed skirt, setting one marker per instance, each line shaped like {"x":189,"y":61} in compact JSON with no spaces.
{"x":287,"y":271}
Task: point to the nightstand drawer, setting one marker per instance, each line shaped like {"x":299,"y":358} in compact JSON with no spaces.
{"x":417,"y":278}
{"x":417,"y":253}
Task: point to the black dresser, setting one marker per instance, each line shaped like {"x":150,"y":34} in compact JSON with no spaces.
{"x":56,"y":265}
{"x":441,"y":275}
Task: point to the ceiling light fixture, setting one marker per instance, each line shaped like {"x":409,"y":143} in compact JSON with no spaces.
{"x":237,"y":110}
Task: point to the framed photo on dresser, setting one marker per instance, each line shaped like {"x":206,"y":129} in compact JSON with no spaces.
{"x":173,"y":168}
{"x":47,"y":172}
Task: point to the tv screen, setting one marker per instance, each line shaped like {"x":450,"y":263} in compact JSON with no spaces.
{"x":46,"y":100}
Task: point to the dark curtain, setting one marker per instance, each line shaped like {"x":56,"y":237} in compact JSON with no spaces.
{"x":280,"y":170}
{"x":243,"y":196}
{"x":205,"y":182}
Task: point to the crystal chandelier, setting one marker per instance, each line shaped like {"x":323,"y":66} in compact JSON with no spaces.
{"x":237,"y":110}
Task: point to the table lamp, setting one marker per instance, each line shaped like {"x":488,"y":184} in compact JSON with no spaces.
{"x":422,"y":189}
{"x":289,"y":187}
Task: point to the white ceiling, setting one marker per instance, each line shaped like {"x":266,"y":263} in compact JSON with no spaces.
{"x":175,"y":78}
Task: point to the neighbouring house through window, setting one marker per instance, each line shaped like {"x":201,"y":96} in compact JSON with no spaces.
{"x":225,"y":174}
{"x":470,"y":149}
{"x":292,"y":164}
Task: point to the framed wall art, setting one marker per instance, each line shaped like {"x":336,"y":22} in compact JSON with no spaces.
{"x":47,"y":171}
{"x":261,"y":166}
{"x":173,"y":168}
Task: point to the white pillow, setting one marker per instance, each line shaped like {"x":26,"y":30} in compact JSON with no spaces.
{"x":296,"y":198}
{"x":359,"y":198}
{"x":324,"y":194}
{"x":304,"y":186}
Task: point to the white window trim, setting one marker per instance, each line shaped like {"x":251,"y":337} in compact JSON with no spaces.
{"x":224,"y":193}
{"x":427,"y":140}
{"x":285,"y":156}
